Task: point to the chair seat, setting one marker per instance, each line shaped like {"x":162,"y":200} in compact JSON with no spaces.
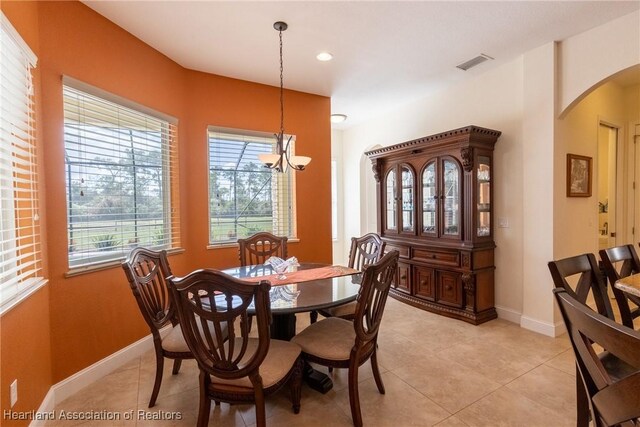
{"x":275,"y":367}
{"x":330,"y":339}
{"x":344,"y":310}
{"x":174,"y":341}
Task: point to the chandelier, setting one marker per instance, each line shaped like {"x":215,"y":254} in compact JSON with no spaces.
{"x":282,"y":158}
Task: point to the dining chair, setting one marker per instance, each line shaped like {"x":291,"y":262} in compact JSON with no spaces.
{"x":239,"y":369}
{"x":146,"y":271}
{"x":612,"y":401}
{"x":365,"y":250}
{"x":340,"y":343}
{"x":582,"y":279}
{"x":256,"y":249}
{"x":261,"y":246}
{"x":626,"y":259}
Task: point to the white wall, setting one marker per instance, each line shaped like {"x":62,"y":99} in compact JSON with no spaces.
{"x":588,"y":58}
{"x":538,"y":123}
{"x":339,"y":255}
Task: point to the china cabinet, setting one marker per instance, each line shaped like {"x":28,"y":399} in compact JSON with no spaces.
{"x":434,"y":205}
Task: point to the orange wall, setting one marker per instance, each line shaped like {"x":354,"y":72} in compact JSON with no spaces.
{"x":25,"y":329}
{"x":226,"y":102}
{"x":93,"y":315}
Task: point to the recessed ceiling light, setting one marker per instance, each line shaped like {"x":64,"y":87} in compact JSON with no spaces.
{"x":324,"y":56}
{"x":338,"y":118}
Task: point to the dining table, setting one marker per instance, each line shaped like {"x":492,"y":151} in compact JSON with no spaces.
{"x":303,"y":288}
{"x":629,"y":285}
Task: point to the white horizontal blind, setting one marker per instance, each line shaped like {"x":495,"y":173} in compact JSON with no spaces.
{"x":20,"y":245}
{"x":244,"y":196}
{"x":121,"y":177}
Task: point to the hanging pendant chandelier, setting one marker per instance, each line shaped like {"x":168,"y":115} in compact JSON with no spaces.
{"x":282,"y":158}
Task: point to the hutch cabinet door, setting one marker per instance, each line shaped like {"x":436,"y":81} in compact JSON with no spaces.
{"x":483,"y":175}
{"x":390,"y":222}
{"x":399,"y":201}
{"x":449,"y":288}
{"x":403,"y":277}
{"x":429,"y":200}
{"x":407,"y":197}
{"x":450,"y":199}
{"x":425,"y":282}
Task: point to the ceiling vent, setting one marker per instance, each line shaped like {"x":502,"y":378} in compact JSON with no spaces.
{"x":473,"y":62}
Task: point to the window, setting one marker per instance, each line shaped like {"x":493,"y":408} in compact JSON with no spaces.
{"x":20,"y":245}
{"x":244,"y":196}
{"x":121,"y":176}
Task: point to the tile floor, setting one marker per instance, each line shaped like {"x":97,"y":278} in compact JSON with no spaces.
{"x":437,"y":372}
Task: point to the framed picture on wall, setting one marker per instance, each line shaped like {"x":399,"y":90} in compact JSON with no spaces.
{"x":578,"y":176}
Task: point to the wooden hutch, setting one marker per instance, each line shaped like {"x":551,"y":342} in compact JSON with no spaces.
{"x":434,"y":206}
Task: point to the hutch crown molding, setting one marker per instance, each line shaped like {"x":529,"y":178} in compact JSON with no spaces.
{"x":434,"y":206}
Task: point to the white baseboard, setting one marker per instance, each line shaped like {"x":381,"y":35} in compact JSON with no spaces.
{"x":509,"y":314}
{"x":47,"y":405}
{"x":544,"y":328}
{"x":76,"y":382}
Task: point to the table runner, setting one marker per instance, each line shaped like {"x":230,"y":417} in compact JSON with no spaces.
{"x":299,"y":276}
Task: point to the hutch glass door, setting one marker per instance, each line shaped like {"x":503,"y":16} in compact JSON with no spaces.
{"x":484,"y":196}
{"x":429,"y":198}
{"x":407,"y":199}
{"x":391,"y":200}
{"x":451,"y":198}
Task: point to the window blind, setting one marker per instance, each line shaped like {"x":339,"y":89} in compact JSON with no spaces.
{"x":121,"y":177}
{"x":20,"y":244}
{"x":244,"y":196}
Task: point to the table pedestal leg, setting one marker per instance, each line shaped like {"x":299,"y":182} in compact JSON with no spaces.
{"x":316,"y":379}
{"x":283,"y":326}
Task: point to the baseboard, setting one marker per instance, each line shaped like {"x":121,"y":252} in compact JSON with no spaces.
{"x":544,"y":328}
{"x":509,"y":314}
{"x":76,"y":382}
{"x":47,"y":405}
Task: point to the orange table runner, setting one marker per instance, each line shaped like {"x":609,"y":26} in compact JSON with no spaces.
{"x":299,"y":276}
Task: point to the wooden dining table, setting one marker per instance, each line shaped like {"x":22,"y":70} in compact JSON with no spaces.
{"x":305,"y":288}
{"x":629,"y":285}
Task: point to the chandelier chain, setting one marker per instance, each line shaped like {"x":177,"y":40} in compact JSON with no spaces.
{"x":281,"y":89}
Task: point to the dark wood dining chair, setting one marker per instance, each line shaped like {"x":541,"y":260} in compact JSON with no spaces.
{"x":612,"y":401}
{"x":340,"y":343}
{"x":581,"y":277}
{"x":619,"y":262}
{"x":261,"y":246}
{"x":365,"y":250}
{"x":241,"y":369}
{"x":146,"y":271}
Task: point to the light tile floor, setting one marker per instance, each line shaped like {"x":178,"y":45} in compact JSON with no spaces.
{"x":436,"y":371}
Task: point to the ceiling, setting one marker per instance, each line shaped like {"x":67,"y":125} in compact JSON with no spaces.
{"x":386,"y":53}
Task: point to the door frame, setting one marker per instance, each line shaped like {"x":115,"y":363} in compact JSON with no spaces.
{"x":624,"y":197}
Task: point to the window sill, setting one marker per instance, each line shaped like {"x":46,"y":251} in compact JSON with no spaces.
{"x":21,"y":296}
{"x":235,"y":244}
{"x":92,"y":268}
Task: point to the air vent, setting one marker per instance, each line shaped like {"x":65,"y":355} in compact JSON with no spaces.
{"x":473,"y":62}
